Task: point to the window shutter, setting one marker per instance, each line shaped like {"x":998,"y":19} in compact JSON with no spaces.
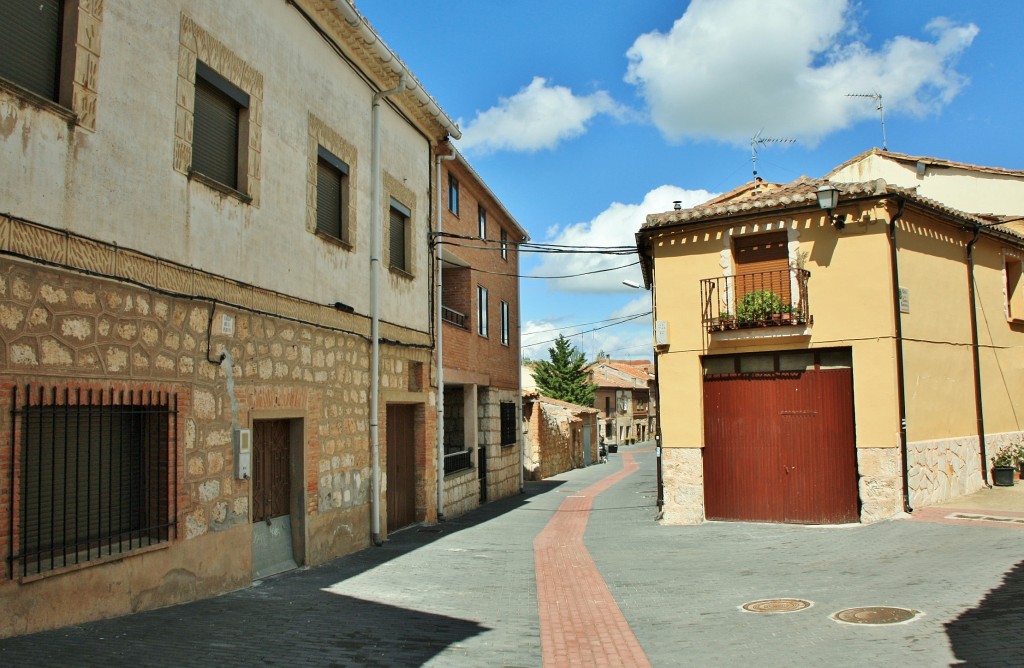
{"x":30,"y":33}
{"x":396,"y":240}
{"x":215,"y":134}
{"x":328,"y":200}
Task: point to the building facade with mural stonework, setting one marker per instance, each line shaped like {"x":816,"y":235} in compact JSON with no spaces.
{"x":190,"y":217}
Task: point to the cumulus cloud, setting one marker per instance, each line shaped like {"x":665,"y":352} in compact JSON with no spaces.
{"x":728,"y":68}
{"x":615,"y":226}
{"x":538,"y":117}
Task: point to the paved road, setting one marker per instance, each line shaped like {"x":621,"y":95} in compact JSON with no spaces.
{"x":466,"y":593}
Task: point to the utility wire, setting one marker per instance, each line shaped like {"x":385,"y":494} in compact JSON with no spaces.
{"x":585,"y":273}
{"x":587,"y":331}
{"x":596,"y":322}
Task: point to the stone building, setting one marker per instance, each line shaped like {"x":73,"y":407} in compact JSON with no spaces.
{"x":479,"y":324}
{"x":193,"y":217}
{"x":623,"y":396}
{"x":559,"y":436}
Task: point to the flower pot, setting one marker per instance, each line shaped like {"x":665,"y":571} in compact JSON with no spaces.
{"x":1002,"y":476}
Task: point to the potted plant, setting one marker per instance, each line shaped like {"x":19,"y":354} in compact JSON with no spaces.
{"x":1004,"y":465}
{"x":758,"y":307}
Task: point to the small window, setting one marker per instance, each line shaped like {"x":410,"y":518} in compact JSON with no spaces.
{"x":397,"y":237}
{"x":218,"y":127}
{"x":331,"y":195}
{"x":453,"y":194}
{"x":1014,"y":288}
{"x":504,"y":324}
{"x":504,"y":245}
{"x":481,"y":222}
{"x":481,"y":310}
{"x":508,"y":423}
{"x":31,"y":33}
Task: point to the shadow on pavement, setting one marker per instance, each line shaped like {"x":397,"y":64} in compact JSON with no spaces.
{"x":993,"y":632}
{"x":289,"y":619}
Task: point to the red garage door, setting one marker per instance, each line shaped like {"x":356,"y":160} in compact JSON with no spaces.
{"x":779,"y":438}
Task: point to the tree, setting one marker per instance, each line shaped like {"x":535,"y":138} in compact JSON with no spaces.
{"x":565,"y":376}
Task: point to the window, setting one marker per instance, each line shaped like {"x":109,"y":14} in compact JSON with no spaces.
{"x":51,"y":49}
{"x":607,"y":405}
{"x":481,"y":310}
{"x":95,"y":476}
{"x":219,"y":116}
{"x":331,"y":195}
{"x":504,"y":245}
{"x":456,"y":456}
{"x":397,"y":235}
{"x":508,"y":423}
{"x":32,"y":34}
{"x":504,"y":323}
{"x":481,"y":222}
{"x":453,"y":194}
{"x":1014,"y":288}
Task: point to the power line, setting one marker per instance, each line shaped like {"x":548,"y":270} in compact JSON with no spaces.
{"x":585,"y":273}
{"x":586,"y":331}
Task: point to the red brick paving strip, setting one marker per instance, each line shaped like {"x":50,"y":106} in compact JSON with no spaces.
{"x":580,"y":623}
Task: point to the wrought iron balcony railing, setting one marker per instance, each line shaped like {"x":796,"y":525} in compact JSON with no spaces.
{"x":453,"y":317}
{"x":759,"y":299}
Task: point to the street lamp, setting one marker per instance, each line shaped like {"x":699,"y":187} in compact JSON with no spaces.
{"x":656,"y":402}
{"x":828,"y":199}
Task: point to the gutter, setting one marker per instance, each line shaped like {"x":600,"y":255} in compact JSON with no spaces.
{"x":440,"y":347}
{"x":376,"y":175}
{"x":898,"y":325}
{"x":979,"y":409}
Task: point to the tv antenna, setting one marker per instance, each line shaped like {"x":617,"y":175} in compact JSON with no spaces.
{"x":877,"y":97}
{"x":758,"y":140}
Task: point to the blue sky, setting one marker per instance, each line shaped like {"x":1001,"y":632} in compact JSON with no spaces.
{"x":583,"y":117}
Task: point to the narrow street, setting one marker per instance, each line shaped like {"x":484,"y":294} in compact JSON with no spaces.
{"x":577,"y":572}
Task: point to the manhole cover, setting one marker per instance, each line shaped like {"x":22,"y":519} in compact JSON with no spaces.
{"x":777,"y":605}
{"x":878,"y":614}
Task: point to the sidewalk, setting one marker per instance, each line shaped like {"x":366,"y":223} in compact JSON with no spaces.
{"x":465,"y":593}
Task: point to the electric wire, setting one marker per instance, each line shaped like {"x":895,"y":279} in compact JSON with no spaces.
{"x":586,"y":331}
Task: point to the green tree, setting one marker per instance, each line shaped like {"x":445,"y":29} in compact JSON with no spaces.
{"x":565,"y":376}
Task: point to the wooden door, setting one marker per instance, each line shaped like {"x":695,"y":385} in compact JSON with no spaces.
{"x":401,"y":466}
{"x":779,"y":447}
{"x":271,"y":475}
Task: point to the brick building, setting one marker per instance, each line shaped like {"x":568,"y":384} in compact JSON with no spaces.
{"x":479,"y":255}
{"x":192,"y":207}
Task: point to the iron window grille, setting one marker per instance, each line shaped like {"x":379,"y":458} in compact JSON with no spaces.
{"x":508,"y":423}
{"x":95,"y":474}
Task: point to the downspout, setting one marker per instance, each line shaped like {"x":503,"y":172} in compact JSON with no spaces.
{"x":375,"y":242}
{"x":438,"y":344}
{"x":519,"y":384}
{"x":978,"y":405}
{"x":898,"y":325}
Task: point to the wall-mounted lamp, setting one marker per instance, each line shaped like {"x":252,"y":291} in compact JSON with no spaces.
{"x":828,"y":199}
{"x":677,"y":204}
{"x":344,"y":308}
{"x":632,"y":284}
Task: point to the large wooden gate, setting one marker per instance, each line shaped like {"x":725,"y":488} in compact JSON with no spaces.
{"x":401,"y":495}
{"x":779,"y":447}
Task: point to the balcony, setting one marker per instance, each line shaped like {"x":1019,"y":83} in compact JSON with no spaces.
{"x":760,"y":299}
{"x":453,"y":317}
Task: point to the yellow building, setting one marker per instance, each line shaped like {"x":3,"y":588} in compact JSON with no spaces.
{"x":832,"y":365}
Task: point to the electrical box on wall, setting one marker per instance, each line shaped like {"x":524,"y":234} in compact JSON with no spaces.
{"x":661,"y":333}
{"x":242,"y":440}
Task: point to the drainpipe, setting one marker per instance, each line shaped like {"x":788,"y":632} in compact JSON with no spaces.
{"x":440,"y":347}
{"x":978,"y":406}
{"x":519,"y":384}
{"x":898,"y":324}
{"x":375,"y":241}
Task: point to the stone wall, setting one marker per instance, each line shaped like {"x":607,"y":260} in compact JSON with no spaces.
{"x":682,"y":471}
{"x":881,"y":483}
{"x":944,"y":469}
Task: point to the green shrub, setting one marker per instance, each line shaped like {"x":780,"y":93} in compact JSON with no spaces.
{"x":758,"y":306}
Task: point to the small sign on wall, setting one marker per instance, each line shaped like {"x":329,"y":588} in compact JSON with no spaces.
{"x":904,"y":300}
{"x":661,"y":333}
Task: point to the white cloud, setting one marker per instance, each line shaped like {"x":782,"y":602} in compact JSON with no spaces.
{"x":615,"y":226}
{"x":538,"y":117}
{"x":729,"y":68}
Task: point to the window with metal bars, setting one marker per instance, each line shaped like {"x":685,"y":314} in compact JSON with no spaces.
{"x":398,"y":256}
{"x":217,"y":127}
{"x":331,"y":196}
{"x":508,"y":423}
{"x":31,"y":32}
{"x":95,"y":472}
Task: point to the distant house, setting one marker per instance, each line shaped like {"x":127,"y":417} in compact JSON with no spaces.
{"x":479,"y":252}
{"x":624,"y":398}
{"x":843,"y":364}
{"x":559,"y":436}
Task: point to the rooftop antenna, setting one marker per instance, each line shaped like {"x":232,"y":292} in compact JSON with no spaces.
{"x":877,"y":97}
{"x":758,"y":140}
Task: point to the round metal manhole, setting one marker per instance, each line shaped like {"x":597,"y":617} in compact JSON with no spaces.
{"x":777,"y":605}
{"x":877,"y":614}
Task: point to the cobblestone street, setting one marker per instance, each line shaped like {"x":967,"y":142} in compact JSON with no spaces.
{"x":501,"y":586}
